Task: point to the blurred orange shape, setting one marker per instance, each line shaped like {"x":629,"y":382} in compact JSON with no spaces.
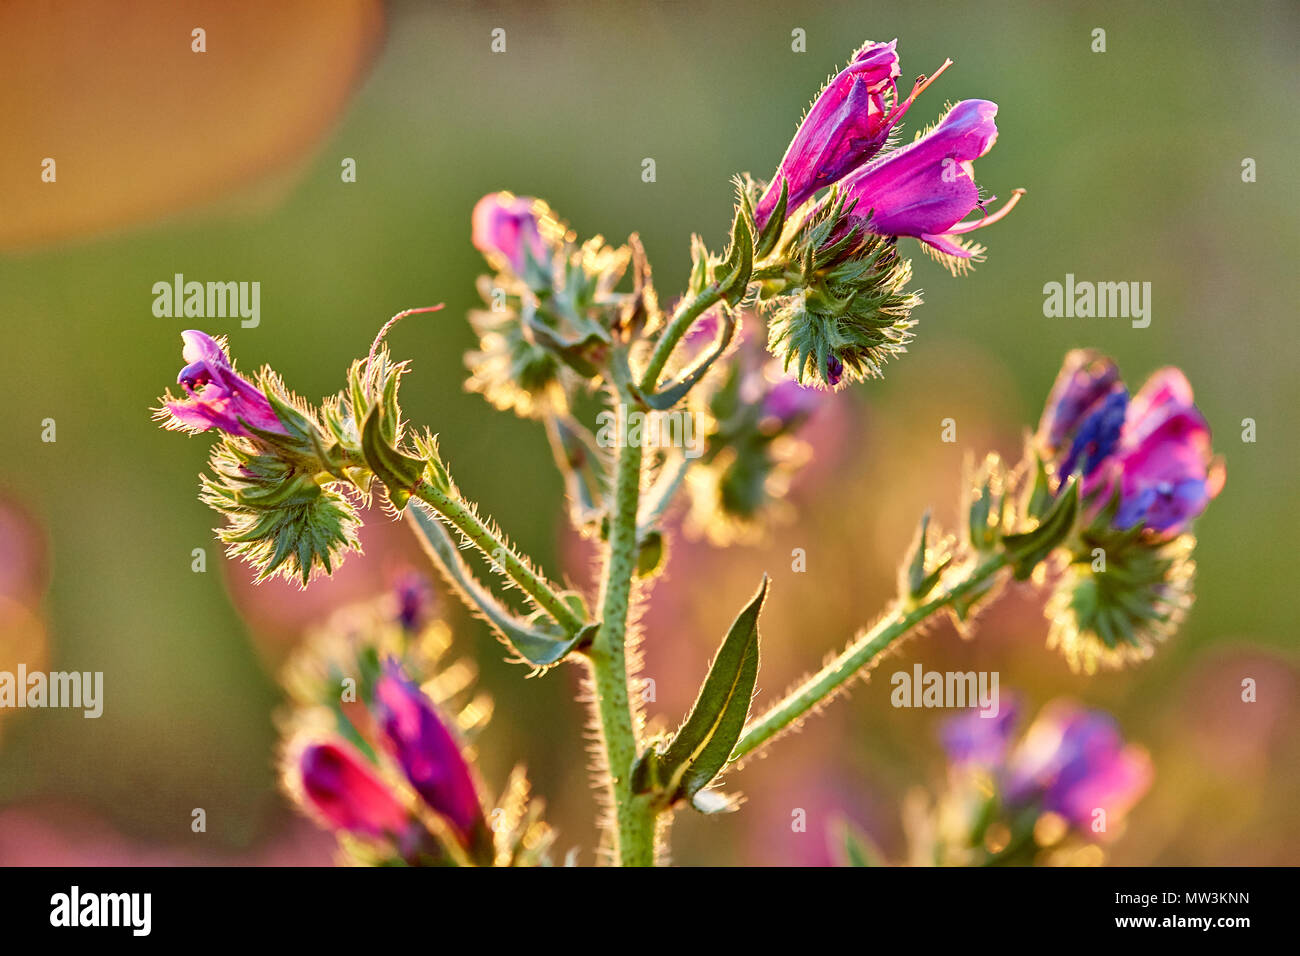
{"x":139,"y":124}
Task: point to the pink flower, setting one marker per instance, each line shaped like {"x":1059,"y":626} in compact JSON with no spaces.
{"x":1075,"y":762}
{"x":926,"y":188}
{"x":1166,"y":470}
{"x":506,"y":230}
{"x":847,"y":125}
{"x":342,"y":789}
{"x":427,"y":752}
{"x":215,"y":395}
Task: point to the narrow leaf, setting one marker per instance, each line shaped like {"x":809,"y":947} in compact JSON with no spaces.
{"x":704,"y":742}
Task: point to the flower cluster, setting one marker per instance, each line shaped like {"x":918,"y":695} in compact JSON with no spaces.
{"x":553,"y":310}
{"x":376,"y":756}
{"x":832,"y":275}
{"x":288,"y":477}
{"x":1051,"y":796}
{"x":1145,"y":470}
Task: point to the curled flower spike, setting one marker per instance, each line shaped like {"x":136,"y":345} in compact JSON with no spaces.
{"x":346,"y":794}
{"x":216,"y":396}
{"x":1085,"y":380}
{"x":428,"y":753}
{"x":927,"y":188}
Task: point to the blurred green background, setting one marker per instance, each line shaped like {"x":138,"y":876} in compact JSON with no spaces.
{"x":1132,"y":161}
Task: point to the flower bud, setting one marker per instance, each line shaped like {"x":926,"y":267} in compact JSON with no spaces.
{"x":215,"y":395}
{"x":342,"y":790}
{"x":846,"y":125}
{"x":428,"y":753}
{"x":507,"y":230}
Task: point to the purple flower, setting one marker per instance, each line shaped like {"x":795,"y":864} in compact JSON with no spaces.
{"x":427,"y":752}
{"x":926,"y":188}
{"x":506,"y":229}
{"x":1074,"y":762}
{"x":215,"y":395}
{"x":1155,"y":448}
{"x":1086,"y":378}
{"x":847,"y":124}
{"x":973,"y":739}
{"x":1166,"y":470}
{"x":342,"y":789}
{"x":1097,"y":436}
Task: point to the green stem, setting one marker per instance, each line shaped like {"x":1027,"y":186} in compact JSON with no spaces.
{"x":682,"y":320}
{"x":634,"y":815}
{"x":831,"y":678}
{"x":493,"y":545}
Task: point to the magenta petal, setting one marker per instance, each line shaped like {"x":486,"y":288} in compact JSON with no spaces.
{"x":846,"y":125}
{"x":925,"y":188}
{"x":341,"y":788}
{"x":427,"y":752}
{"x":504,"y":226}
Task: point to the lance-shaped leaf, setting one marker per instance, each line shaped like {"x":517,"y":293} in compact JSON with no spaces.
{"x":703,"y":744}
{"x":532,"y":643}
{"x":1029,"y":548}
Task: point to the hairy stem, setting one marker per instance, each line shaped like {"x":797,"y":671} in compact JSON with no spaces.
{"x":608,"y":655}
{"x":682,"y":320}
{"x":826,"y":682}
{"x":461,"y":517}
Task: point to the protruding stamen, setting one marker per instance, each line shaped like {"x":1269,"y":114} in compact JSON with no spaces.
{"x":989,"y":218}
{"x":918,"y":88}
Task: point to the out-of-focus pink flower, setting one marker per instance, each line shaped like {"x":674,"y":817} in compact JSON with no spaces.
{"x":1167,"y":471}
{"x":506,"y":229}
{"x":215,"y":395}
{"x":427,"y":752}
{"x":926,"y":188}
{"x":973,"y":739}
{"x":1155,"y":448}
{"x":846,"y":126}
{"x":341,"y":788}
{"x":1074,"y":762}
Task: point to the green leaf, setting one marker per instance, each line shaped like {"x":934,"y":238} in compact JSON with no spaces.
{"x":400,"y":473}
{"x":733,"y":274}
{"x":856,"y":847}
{"x":704,"y":743}
{"x":670,"y":395}
{"x":767,"y":238}
{"x":534,"y":644}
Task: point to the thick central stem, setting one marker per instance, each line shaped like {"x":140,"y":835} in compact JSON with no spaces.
{"x":608,"y":654}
